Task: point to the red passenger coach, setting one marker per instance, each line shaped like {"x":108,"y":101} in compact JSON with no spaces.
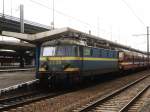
{"x":131,"y":60}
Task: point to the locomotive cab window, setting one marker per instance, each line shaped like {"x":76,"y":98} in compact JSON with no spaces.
{"x":49,"y":51}
{"x":60,"y":51}
{"x":66,"y":51}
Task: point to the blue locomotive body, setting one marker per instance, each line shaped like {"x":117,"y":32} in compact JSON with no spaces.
{"x":75,"y":61}
{"x":99,"y":60}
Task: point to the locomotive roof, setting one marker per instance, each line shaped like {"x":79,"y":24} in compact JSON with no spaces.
{"x":68,"y":33}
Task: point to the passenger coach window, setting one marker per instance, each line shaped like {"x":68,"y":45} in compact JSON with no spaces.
{"x":87,"y":52}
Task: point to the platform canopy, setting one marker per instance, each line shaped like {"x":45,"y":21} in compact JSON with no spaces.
{"x":68,"y":33}
{"x":16,"y":46}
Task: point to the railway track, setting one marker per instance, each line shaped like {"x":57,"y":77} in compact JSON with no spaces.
{"x":24,"y":94}
{"x":121,"y":100}
{"x":21,"y":100}
{"x":138,"y":102}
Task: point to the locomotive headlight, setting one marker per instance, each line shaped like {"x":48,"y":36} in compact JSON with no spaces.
{"x":43,"y":66}
{"x":41,"y":69}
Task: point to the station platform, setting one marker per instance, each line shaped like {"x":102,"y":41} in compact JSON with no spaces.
{"x":13,"y":78}
{"x":16,"y":69}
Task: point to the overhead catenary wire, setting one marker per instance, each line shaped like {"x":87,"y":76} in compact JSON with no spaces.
{"x":134,"y":13}
{"x":61,"y":13}
{"x":141,"y":21}
{"x":71,"y":17}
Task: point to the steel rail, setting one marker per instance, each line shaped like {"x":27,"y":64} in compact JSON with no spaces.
{"x":108,"y":96}
{"x":29,"y":100}
{"x":125,"y":108}
{"x":11,"y":98}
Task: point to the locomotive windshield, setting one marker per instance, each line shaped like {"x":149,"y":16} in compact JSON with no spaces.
{"x":49,"y":51}
{"x":59,"y":51}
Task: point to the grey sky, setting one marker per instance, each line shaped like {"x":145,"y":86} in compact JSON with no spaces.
{"x":110,"y":19}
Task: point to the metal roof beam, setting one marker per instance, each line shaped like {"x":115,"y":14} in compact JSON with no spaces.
{"x":21,"y":36}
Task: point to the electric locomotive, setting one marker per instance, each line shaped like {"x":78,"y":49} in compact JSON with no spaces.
{"x":74,"y":60}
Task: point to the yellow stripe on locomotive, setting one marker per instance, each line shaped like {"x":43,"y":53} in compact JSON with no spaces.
{"x":77,"y":58}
